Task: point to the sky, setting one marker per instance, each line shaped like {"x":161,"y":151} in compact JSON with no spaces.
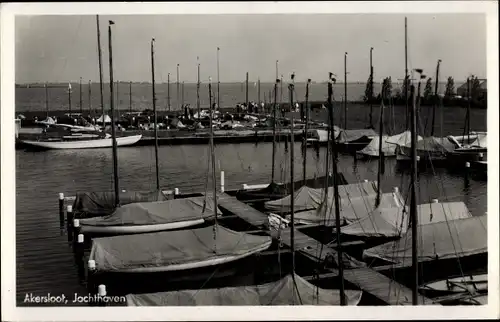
{"x":64,"y":48}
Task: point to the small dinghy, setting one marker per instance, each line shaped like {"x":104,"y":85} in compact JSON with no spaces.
{"x":290,"y":290}
{"x":149,"y":217}
{"x":471,"y":284}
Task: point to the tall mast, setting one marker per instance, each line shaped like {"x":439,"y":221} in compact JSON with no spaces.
{"x":371,"y":88}
{"x":198,"y":105}
{"x":112,"y":112}
{"x":130,"y":96}
{"x":436,"y":98}
{"x":258,"y":91}
{"x":292,"y":201}
{"x":90,"y":98}
{"x":168,"y":91}
{"x":69,"y":99}
{"x":182,"y":94}
{"x":380,"y":156}
{"x":345,"y":91}
{"x":468,"y":107}
{"x":177,"y":85}
{"x":246,"y":90}
{"x":306,"y":130}
{"x":413,"y":202}
{"x":407,"y":78}
{"x":336,"y":190}
{"x":154,"y":112}
{"x":101,"y":85}
{"x":81,"y":96}
{"x":212,"y":154}
{"x":218,"y":79}
{"x":274,"y":128}
{"x":47,"y":99}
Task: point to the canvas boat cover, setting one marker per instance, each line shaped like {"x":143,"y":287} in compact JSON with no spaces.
{"x":322,"y":135}
{"x":347,"y":136}
{"x":276,"y":191}
{"x":441,"y":240}
{"x":161,"y":250}
{"x":159,"y":212}
{"x":281,"y":292}
{"x":107,"y":119}
{"x":433,"y":145}
{"x":389,"y":144}
{"x":481,"y":141}
{"x":351,"y":209}
{"x":307,"y":198}
{"x":92,"y":204}
{"x":392,"y":222}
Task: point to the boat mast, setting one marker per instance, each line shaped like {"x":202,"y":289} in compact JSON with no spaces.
{"x":468,"y":108}
{"x":370,"y":97}
{"x":258,"y":92}
{"x":90,"y":98}
{"x":168,"y":91}
{"x":274,"y":128}
{"x":292,"y":187}
{"x":436,"y":98}
{"x":246,"y":90}
{"x":47,"y":99}
{"x":345,"y":91}
{"x":155,"y":113}
{"x":407,"y":78}
{"x":380,"y":156}
{"x":198,"y":105}
{"x":69,"y":99}
{"x":130,"y":96}
{"x":177,"y":85}
{"x":81,"y":96}
{"x":218,"y":79}
{"x":306,"y":130}
{"x":112,"y":112}
{"x":101,"y":85}
{"x":212,"y":154}
{"x":413,"y":202}
{"x":336,"y":190}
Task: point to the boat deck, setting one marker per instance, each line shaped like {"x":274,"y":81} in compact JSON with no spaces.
{"x":367,"y":279}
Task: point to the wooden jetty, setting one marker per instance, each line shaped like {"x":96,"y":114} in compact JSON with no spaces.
{"x":367,"y":279}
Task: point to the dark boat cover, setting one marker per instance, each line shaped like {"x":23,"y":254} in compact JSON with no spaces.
{"x":307,"y":198}
{"x":349,"y":136}
{"x":441,"y":240}
{"x":276,"y":191}
{"x":281,"y":292}
{"x":159,"y":212}
{"x":92,"y":204}
{"x":160,"y":250}
{"x":392,"y":222}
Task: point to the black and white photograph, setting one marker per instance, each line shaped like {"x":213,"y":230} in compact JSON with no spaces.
{"x":262,"y":154}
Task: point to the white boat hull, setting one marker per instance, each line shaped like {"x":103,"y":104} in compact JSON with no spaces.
{"x":140,"y":229}
{"x":84,"y":144}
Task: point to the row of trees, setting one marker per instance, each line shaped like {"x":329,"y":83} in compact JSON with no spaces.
{"x":427,"y":96}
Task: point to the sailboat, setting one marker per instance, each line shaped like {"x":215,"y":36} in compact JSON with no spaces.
{"x":80,"y":137}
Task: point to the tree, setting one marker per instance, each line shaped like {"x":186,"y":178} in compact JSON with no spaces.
{"x":386,"y":91}
{"x":475,"y":86}
{"x":428,"y":89}
{"x":450,"y":88}
{"x":369,"y":89}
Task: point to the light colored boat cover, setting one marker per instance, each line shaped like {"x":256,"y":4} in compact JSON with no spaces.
{"x":103,"y":203}
{"x":307,"y":198}
{"x":392,"y":222}
{"x":442,"y":240}
{"x":347,"y":136}
{"x":163,"y":249}
{"x":433,"y":144}
{"x":322,"y":135}
{"x":281,"y":292}
{"x":389,"y":144}
{"x":351,"y":209}
{"x":481,"y":141}
{"x":160,"y":212}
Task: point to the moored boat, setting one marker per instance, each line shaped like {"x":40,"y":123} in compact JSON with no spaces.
{"x":82,"y":143}
{"x":471,"y":284}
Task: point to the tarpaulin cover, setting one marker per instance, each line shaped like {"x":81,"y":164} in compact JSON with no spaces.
{"x":281,"y":292}
{"x":481,"y":141}
{"x":276,"y":191}
{"x":91,"y":204}
{"x":391,"y":222}
{"x":163,"y":249}
{"x":322,"y":135}
{"x":348,"y":136}
{"x":431,"y":145}
{"x":389,"y":144}
{"x":351,"y":209}
{"x":107,"y":119}
{"x":307,"y":198}
{"x":442,"y":240}
{"x":160,"y":212}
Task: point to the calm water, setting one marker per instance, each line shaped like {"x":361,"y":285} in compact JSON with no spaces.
{"x":41,"y":176}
